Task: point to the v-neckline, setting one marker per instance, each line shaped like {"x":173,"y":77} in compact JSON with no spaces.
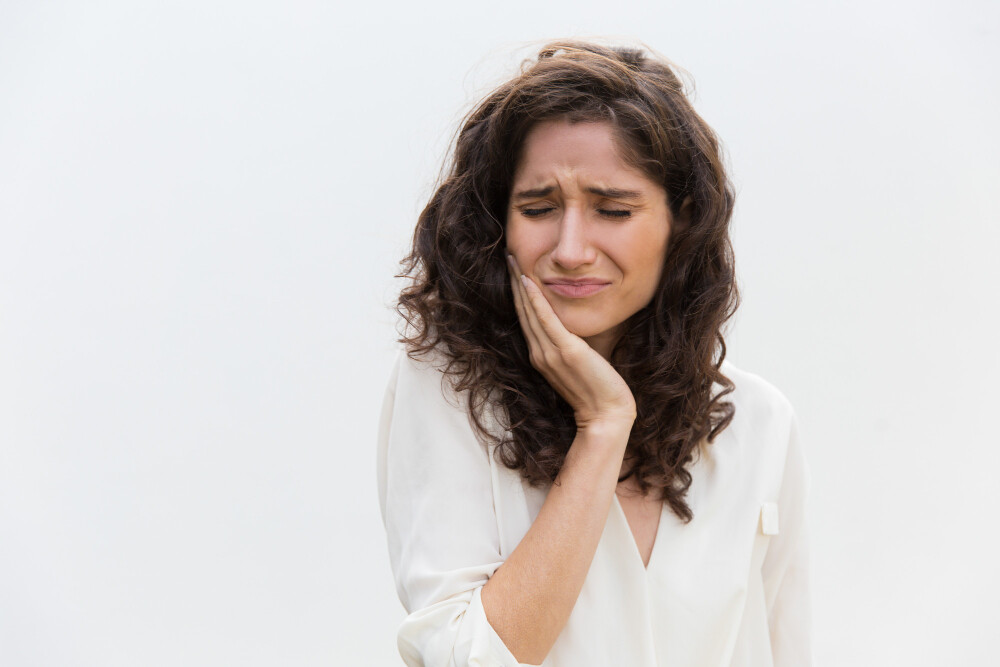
{"x":631,"y":536}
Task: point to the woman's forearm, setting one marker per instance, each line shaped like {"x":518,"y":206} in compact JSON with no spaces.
{"x":529,"y":598}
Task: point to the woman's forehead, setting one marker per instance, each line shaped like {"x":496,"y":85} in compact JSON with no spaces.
{"x":559,"y":155}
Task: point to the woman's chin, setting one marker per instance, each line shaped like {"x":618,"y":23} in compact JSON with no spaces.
{"x":587,"y":329}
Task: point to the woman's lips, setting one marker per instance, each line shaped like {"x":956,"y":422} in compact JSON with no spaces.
{"x":576,"y":290}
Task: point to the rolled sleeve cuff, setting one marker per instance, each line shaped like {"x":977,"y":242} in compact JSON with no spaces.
{"x":428,"y":637}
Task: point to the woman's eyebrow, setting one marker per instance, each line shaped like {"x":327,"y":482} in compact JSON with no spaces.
{"x":610,"y":193}
{"x":536,"y":192}
{"x":616,"y":193}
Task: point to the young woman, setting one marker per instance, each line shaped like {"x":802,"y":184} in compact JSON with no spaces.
{"x":570,"y":473}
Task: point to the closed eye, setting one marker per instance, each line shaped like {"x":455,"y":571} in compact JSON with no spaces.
{"x":535,"y":212}
{"x":618,"y":214}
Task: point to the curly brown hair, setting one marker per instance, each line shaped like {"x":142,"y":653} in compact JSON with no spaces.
{"x":459,"y":300}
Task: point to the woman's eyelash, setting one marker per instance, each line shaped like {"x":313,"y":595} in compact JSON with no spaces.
{"x":534,"y":212}
{"x":611,"y":213}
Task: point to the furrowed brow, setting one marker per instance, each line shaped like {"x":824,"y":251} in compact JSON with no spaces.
{"x":610,"y":193}
{"x":534,"y":193}
{"x":616,"y":193}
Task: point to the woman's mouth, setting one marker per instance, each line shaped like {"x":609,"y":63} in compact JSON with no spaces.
{"x":576,"y":289}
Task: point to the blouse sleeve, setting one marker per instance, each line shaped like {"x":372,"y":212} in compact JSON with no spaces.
{"x":786,"y":568}
{"x":436,"y":498}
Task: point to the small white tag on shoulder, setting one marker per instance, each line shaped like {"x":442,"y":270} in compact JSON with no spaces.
{"x":769,"y":518}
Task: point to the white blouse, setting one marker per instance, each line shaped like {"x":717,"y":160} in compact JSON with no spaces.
{"x":730,"y":588}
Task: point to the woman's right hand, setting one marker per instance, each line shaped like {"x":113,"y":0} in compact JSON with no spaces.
{"x":585,"y":379}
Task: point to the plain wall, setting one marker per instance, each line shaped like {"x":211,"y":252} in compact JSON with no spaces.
{"x":202,"y":205}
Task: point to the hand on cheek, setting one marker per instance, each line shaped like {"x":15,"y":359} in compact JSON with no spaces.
{"x":582,"y":377}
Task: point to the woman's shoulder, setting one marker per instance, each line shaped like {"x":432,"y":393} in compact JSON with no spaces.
{"x":425,"y":377}
{"x":755,"y":396}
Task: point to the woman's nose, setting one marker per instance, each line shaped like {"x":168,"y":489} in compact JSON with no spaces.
{"x":573,"y":247}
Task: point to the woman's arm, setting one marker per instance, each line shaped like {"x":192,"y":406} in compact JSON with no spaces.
{"x":529,"y":598}
{"x":786,"y":568}
{"x":437,"y":501}
{"x":438,"y":507}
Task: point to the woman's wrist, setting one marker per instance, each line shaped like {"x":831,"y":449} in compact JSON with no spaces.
{"x":612,"y":431}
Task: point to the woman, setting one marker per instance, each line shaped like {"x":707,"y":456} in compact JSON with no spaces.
{"x":569,"y":471}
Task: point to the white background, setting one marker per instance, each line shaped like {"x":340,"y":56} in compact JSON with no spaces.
{"x":202,"y":207}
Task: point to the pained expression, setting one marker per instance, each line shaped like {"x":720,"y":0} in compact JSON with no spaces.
{"x":579,"y":212}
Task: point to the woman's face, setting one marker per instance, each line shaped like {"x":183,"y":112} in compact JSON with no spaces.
{"x":591,"y":230}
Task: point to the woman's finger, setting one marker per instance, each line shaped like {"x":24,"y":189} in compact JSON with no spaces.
{"x":515,"y":289}
{"x":546,"y":317}
{"x":514,"y":276}
{"x":521,"y":306}
{"x":531,"y":321}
